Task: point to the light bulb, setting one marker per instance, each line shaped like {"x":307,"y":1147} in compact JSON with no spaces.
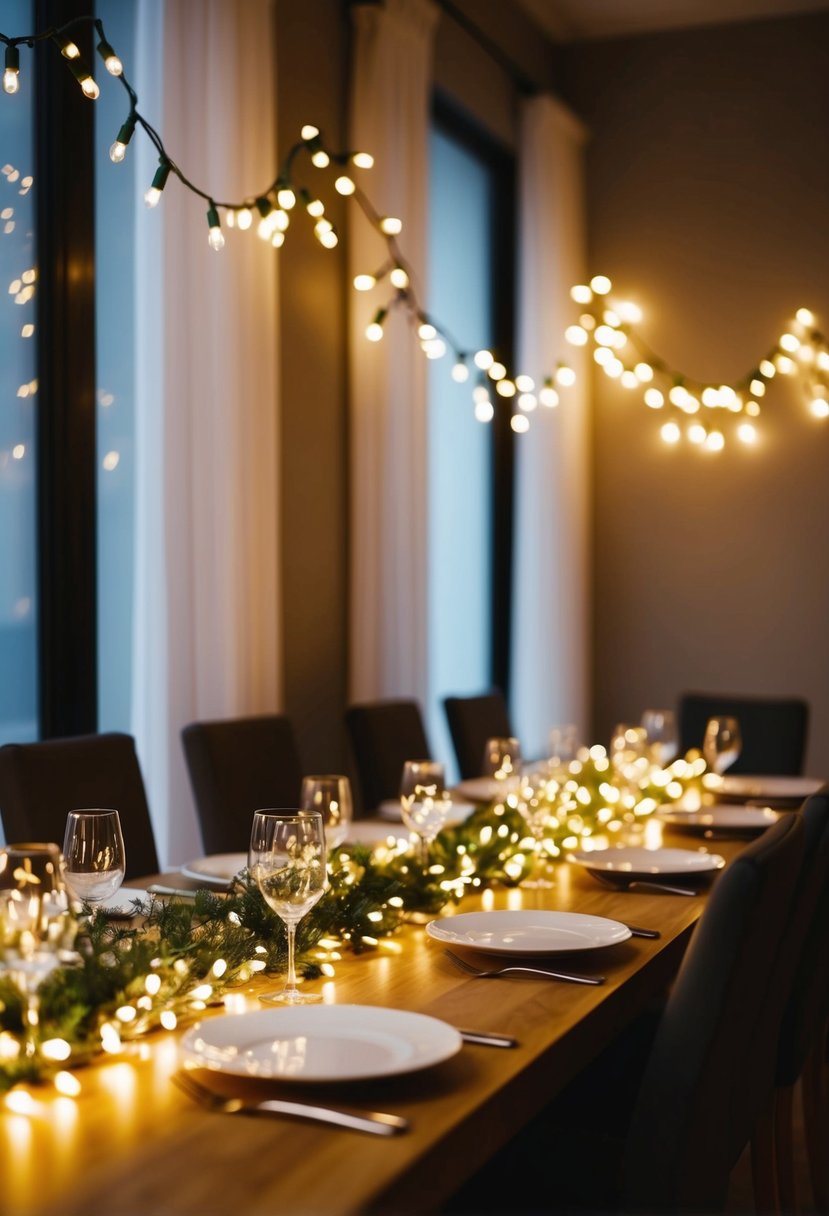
{"x":565,"y":376}
{"x":715,"y":441}
{"x":286,"y":198}
{"x":496,"y":371}
{"x":604,"y":335}
{"x":548,"y":397}
{"x":630,"y":312}
{"x":309,"y":132}
{"x":153,"y":195}
{"x":391,"y":225}
{"x":789,"y":342}
{"x":364,"y":282}
{"x":460,"y":372}
{"x":711,"y":397}
{"x":752,"y":409}
{"x":805,"y":316}
{"x":581,"y":294}
{"x":111,"y":61}
{"x":215,"y":236}
{"x":69,"y":50}
{"x":11,"y":80}
{"x":629,"y":379}
{"x":280,"y":220}
{"x":426,"y":332}
{"x":315,"y":207}
{"x":118,"y":150}
{"x":644,"y":372}
{"x":484,"y":359}
{"x":344,"y":185}
{"x":524,"y":384}
{"x":654,"y":399}
{"x":363,"y":160}
{"x":819,"y":407}
{"x":670,"y":433}
{"x":484,"y":410}
{"x":505,"y":388}
{"x":230,"y":218}
{"x":399,"y":278}
{"x":278,"y":240}
{"x":603,"y":355}
{"x":374,"y":332}
{"x":90,"y":88}
{"x":329,"y":240}
{"x":767,"y":368}
{"x":435,"y":348}
{"x":264,"y":229}
{"x":600,"y":284}
{"x":527,"y":402}
{"x":520,"y":423}
{"x":747,"y":433}
{"x":244,"y":218}
{"x":614,"y":368}
{"x":575,"y":335}
{"x":785,"y":365}
{"x":322,"y":226}
{"x":697,"y":432}
{"x":320,"y":158}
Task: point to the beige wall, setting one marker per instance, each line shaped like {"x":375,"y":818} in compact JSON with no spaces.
{"x":708,"y":202}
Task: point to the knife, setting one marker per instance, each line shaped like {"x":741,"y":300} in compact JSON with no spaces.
{"x":487,"y":1038}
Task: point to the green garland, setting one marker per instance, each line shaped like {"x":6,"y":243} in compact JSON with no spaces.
{"x":186,"y":954}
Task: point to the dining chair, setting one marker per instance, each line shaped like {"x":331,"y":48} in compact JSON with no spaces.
{"x":473,"y":720}
{"x":384,"y":735}
{"x":238,"y":766}
{"x":773,"y":729}
{"x":40,"y":783}
{"x":801,"y":1052}
{"x":658,"y":1121}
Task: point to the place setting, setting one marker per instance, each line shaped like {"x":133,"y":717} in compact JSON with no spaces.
{"x":661,"y":870}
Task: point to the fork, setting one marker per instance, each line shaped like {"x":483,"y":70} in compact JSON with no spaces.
{"x":466,"y":967}
{"x":623,"y":884}
{"x":374,"y":1122}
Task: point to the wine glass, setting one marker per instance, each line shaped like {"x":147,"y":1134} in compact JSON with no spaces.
{"x":564,"y":744}
{"x":502,"y":760}
{"x":93,"y":855}
{"x":287,"y":862}
{"x":331,"y":796}
{"x":721,"y":744}
{"x":425,"y":802}
{"x":35,"y":924}
{"x":663,"y":740}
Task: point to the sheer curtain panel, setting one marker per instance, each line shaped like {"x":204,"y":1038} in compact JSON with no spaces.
{"x":207,"y":611}
{"x":551,"y":622}
{"x":390,"y":106}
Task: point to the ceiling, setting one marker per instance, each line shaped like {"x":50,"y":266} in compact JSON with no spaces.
{"x":573,"y":20}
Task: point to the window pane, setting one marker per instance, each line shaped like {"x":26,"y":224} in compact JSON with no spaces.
{"x":116,"y":190}
{"x":18,"y":346}
{"x":460,"y":294}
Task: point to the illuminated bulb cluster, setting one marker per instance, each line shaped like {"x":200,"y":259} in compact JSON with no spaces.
{"x":701,"y":412}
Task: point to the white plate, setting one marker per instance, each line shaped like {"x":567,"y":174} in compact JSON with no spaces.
{"x":320,"y":1043}
{"x":390,"y":811}
{"x":374,"y":831}
{"x":525,"y":932}
{"x":727,"y":818}
{"x":767,"y":787}
{"x":482,"y":789}
{"x":639,"y":863}
{"x":218,"y":870}
{"x":121,"y":902}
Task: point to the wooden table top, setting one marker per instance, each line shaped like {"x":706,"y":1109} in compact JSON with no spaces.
{"x":132,"y":1143}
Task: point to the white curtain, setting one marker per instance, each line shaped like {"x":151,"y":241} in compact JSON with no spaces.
{"x":390,"y":106}
{"x":207,"y":614}
{"x":551,"y":615}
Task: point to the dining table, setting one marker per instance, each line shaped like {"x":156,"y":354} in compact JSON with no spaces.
{"x":133,"y":1143}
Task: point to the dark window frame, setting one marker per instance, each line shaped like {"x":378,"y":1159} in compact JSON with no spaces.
{"x":453,"y":122}
{"x":66,"y":455}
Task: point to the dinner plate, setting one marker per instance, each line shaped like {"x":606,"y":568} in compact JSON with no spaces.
{"x":644,"y":863}
{"x":375,"y":831}
{"x":767,"y":787}
{"x":749,"y":819}
{"x":217,"y":870}
{"x":482,"y":789}
{"x":527,"y":932}
{"x":390,"y":811}
{"x":320,"y":1043}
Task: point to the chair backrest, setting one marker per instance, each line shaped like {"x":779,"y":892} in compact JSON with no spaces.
{"x":712,"y":1061}
{"x":773,"y":729}
{"x":473,"y":720}
{"x":808,"y":1002}
{"x":384,"y":735}
{"x":237,"y":767}
{"x":40,"y":783}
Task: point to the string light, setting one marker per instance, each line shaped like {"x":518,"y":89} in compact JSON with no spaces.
{"x":215,"y":237}
{"x":111,"y":61}
{"x":153,"y":195}
{"x":11,"y":76}
{"x":118,"y":150}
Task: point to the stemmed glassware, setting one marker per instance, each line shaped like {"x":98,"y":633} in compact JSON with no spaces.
{"x":721,"y":744}
{"x":35,"y":924}
{"x":331,"y":796}
{"x":93,"y":854}
{"x":564,"y":745}
{"x":663,"y":740}
{"x":287,"y":862}
{"x":502,"y":760}
{"x":425,"y":802}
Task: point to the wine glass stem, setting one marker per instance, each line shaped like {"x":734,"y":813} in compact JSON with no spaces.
{"x":423,"y":849}
{"x":31,"y":1016}
{"x":291,"y":982}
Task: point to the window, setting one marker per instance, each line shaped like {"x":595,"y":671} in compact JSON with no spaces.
{"x":470,"y":462}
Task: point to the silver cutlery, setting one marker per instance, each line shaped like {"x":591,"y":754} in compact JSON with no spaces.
{"x":487,"y":1038}
{"x":636,"y":931}
{"x":374,"y":1122}
{"x":636,"y":884}
{"x":567,"y":976}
